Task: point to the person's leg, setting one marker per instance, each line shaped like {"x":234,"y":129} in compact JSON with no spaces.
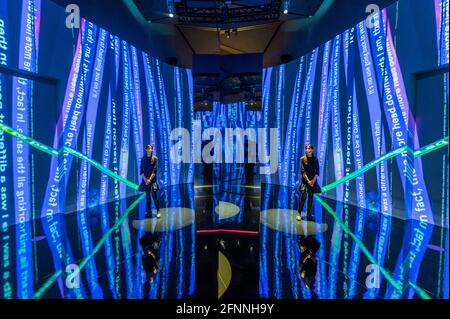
{"x":301,"y":204}
{"x":310,"y":202}
{"x":155,"y":201}
{"x":148,"y":210}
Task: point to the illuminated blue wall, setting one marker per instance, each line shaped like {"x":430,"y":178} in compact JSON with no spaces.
{"x":364,"y":93}
{"x":90,"y":92}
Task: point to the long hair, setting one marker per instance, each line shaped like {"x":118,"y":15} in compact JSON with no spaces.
{"x":305,"y":157}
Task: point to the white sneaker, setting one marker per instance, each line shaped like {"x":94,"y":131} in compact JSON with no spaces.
{"x":299,"y":217}
{"x":158,"y":215}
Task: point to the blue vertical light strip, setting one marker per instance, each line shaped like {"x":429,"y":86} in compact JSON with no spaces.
{"x":417,"y":201}
{"x":358,"y":160}
{"x":190,"y":176}
{"x":279,"y":105}
{"x":136,"y":116}
{"x":6,"y":211}
{"x":278,"y":270}
{"x":115,"y":167}
{"x":323,"y":129}
{"x":192,"y":269}
{"x":442,"y":25}
{"x":151,"y":98}
{"x":349,"y":64}
{"x":180,"y":263}
{"x":168,"y":248}
{"x":173,"y":168}
{"x":160,"y":124}
{"x":179,"y":116}
{"x":338,"y":165}
{"x":123,"y":167}
{"x":290,"y":245}
{"x":263,"y":264}
{"x":155,"y":122}
{"x":114,"y":53}
{"x":22,"y":105}
{"x":300,"y":136}
{"x":290,"y":151}
{"x":299,"y":133}
{"x":169,"y":167}
{"x":69,"y":122}
{"x":264,"y":289}
{"x":277,"y":236}
{"x":190,"y":181}
{"x":85,"y":170}
{"x":360,"y":198}
{"x":309,"y":99}
{"x":379,"y":145}
{"x":445,"y":286}
{"x":264,"y":146}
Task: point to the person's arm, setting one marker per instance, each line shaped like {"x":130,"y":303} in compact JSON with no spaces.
{"x":155,"y":168}
{"x":142,"y":172}
{"x":316,"y":171}
{"x":302,"y":170}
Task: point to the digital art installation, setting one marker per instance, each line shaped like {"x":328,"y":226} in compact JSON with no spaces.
{"x":79,"y":106}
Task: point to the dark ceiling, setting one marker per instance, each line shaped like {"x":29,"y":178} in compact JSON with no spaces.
{"x":146,"y":24}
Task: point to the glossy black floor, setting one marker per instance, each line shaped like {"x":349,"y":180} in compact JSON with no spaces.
{"x":229,"y":239}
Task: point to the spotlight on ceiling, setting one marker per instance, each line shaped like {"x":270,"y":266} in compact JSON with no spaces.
{"x":171,"y":15}
{"x":285,"y":11}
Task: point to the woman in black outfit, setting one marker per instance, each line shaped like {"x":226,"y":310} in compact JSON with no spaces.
{"x":149,"y":166}
{"x":309,"y":171}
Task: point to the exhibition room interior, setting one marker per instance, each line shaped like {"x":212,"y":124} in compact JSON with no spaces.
{"x":224,"y":150}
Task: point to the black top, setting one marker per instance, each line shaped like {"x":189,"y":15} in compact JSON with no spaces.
{"x":149,"y":165}
{"x":310,"y":166}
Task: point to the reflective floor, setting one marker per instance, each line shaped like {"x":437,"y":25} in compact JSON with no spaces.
{"x":227,"y":241}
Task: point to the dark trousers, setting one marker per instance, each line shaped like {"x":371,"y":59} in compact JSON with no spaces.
{"x":154,"y":195}
{"x":302,"y":202}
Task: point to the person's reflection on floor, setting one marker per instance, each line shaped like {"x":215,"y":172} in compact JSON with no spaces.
{"x":308,"y":261}
{"x":150,"y":243}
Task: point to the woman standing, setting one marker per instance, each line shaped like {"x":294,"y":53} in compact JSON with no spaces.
{"x":309,"y":171}
{"x":149,"y":185}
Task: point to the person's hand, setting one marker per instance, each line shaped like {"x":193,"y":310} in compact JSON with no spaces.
{"x":311,"y":183}
{"x":147,"y":181}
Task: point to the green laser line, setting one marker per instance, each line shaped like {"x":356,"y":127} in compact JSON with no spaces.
{"x":83,"y":263}
{"x":420,"y":152}
{"x":56,"y":153}
{"x":366,"y":252}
